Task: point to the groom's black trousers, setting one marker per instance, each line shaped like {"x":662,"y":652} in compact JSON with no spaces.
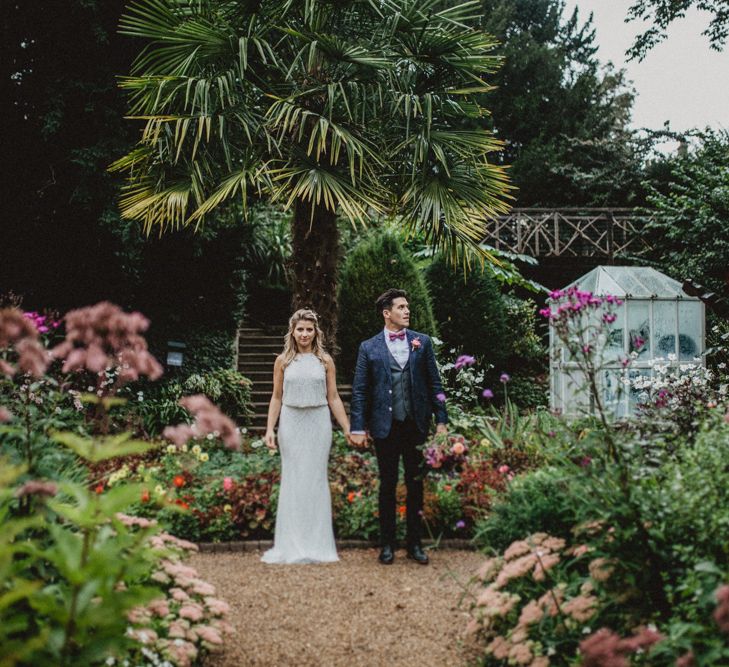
{"x":403,"y":440}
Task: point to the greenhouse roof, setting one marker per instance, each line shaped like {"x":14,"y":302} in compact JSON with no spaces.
{"x":636,"y":282}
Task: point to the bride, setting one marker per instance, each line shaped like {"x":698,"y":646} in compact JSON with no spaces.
{"x":304,"y":391}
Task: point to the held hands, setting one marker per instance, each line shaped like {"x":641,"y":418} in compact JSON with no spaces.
{"x":270,"y":439}
{"x":358,"y":440}
{"x":441,"y":429}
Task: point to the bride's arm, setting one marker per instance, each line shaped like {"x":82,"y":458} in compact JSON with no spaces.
{"x":335,"y":402}
{"x":274,"y":407}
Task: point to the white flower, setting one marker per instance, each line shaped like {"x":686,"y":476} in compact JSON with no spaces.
{"x":204,"y":457}
{"x":209,"y":436}
{"x":171,"y":449}
{"x":672,"y":356}
{"x":196,"y":450}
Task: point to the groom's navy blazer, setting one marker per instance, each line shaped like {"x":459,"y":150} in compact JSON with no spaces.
{"x":371,"y":406}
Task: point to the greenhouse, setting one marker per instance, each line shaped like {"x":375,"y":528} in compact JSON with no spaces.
{"x":657,"y":324}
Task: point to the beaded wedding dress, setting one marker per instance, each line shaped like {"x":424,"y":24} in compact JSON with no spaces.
{"x":304,"y":517}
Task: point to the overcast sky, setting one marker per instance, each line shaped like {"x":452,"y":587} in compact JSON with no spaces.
{"x":681,"y":80}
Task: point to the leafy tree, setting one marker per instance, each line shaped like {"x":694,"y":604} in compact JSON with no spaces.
{"x":347,"y":107}
{"x":469,"y":311}
{"x":689,"y":231}
{"x":62,"y":126}
{"x":661,"y":13}
{"x":564,"y":120}
{"x":376,"y":264}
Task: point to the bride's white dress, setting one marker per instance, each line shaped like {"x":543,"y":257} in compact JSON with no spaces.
{"x":304,"y":531}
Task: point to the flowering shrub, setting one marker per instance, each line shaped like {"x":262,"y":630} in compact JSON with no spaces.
{"x":446,"y":451}
{"x":74,"y":572}
{"x":185,"y":623}
{"x":535,"y":602}
{"x":676,"y":397}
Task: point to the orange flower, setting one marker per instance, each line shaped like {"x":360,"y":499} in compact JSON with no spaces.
{"x":145,"y":496}
{"x":351,"y":496}
{"x":178,"y":481}
{"x":402,"y":509}
{"x":99,"y":489}
{"x":182,"y":504}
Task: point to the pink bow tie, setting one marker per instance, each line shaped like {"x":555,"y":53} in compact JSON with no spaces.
{"x":397,"y":336}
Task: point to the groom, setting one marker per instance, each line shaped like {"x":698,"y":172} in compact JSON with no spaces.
{"x":395,"y":392}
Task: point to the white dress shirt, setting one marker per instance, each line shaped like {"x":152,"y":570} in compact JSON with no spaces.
{"x":398,"y":348}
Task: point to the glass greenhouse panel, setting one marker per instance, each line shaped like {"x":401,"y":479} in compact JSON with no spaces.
{"x":690,"y":327}
{"x":639,"y":329}
{"x":665,"y":326}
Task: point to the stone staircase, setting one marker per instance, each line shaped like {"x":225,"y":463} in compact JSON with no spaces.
{"x":257,"y":350}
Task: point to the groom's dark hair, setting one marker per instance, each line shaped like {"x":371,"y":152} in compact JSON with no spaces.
{"x":384,"y":301}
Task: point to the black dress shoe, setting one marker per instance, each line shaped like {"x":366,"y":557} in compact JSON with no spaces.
{"x":387,"y":555}
{"x":417,"y":554}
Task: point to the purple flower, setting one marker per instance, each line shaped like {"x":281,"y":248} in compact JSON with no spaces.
{"x":461,"y":524}
{"x":505,"y":377}
{"x":441,"y":397}
{"x":464,"y":360}
{"x":487,"y":393}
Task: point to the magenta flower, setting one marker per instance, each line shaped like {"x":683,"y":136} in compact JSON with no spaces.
{"x":487,"y":393}
{"x":464,"y":360}
{"x":461,"y":524}
{"x":505,"y":377}
{"x":441,"y":397}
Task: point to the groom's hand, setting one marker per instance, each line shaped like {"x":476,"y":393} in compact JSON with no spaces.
{"x":358,"y":439}
{"x":441,"y":429}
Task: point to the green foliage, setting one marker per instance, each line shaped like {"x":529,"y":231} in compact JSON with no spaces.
{"x":374,"y":137}
{"x":537,"y":501}
{"x":661,"y":13}
{"x":376,"y":264}
{"x":565,"y":122}
{"x":66,"y":564}
{"x":692,"y":206}
{"x":159,"y":406}
{"x":469,"y":311}
{"x":527,"y":357}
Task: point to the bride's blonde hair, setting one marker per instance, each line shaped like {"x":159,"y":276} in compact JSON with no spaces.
{"x":317,"y":346}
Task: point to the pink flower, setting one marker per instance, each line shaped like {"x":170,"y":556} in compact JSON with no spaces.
{"x":503,"y":469}
{"x":208,"y":419}
{"x":227,"y":483}
{"x":441,"y":397}
{"x":458,"y":448}
{"x":159,"y":607}
{"x":504,"y":377}
{"x":5,"y":415}
{"x":487,"y":393}
{"x":208,"y":634}
{"x":217,"y":607}
{"x":191,"y":611}
{"x":721,"y":613}
{"x":464,"y":360}
{"x":103,"y":336}
{"x":36,"y":488}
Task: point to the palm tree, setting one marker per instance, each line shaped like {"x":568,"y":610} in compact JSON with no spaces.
{"x":331,"y":107}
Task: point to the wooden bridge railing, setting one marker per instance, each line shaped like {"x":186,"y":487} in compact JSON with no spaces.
{"x":568,"y":232}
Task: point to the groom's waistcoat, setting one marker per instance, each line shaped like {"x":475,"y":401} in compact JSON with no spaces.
{"x":402,"y":395}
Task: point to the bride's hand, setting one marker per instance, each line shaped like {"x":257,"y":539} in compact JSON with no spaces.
{"x":270,"y":439}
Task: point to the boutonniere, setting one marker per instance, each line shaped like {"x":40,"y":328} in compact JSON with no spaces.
{"x":415,"y":344}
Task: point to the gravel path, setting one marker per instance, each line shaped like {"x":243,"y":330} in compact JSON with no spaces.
{"x":352,"y":613}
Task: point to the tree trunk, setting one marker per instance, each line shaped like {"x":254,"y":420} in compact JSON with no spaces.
{"x":315,"y":239}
